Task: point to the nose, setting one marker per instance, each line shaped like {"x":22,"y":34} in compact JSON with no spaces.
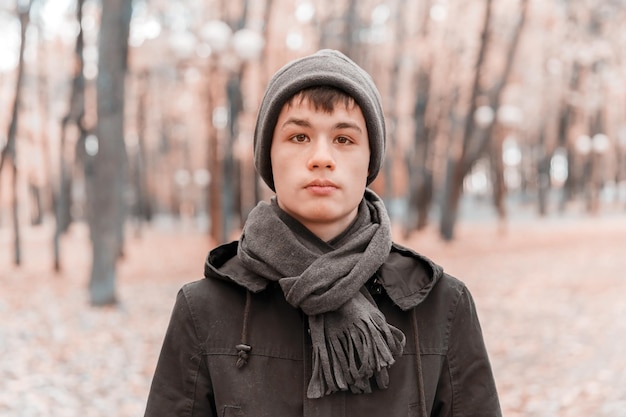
{"x":321,"y":155}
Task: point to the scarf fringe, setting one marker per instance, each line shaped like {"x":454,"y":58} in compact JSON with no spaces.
{"x":351,"y":357}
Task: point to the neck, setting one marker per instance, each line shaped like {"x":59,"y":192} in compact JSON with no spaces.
{"x":327,"y":232}
{"x":324,"y":229}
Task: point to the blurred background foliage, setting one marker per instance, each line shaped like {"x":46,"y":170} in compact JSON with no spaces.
{"x":123,"y":113}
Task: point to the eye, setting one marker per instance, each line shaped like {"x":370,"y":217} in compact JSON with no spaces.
{"x":343,"y":140}
{"x":300,"y":138}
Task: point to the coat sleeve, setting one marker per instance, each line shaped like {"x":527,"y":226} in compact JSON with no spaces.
{"x":181,"y":385}
{"x":468,"y":387}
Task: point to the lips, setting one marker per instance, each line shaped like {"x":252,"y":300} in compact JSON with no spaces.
{"x":321,"y":186}
{"x":321,"y":183}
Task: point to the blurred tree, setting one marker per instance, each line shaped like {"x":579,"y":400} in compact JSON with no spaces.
{"x":395,"y":81}
{"x":143,"y":204}
{"x":9,"y":152}
{"x":231,"y":190}
{"x":75,"y":118}
{"x":567,"y":117}
{"x":106,"y":216}
{"x":214,"y":162}
{"x":351,"y":29}
{"x":424,"y":55}
{"x":455,"y":172}
{"x":475,"y":141}
{"x":420,"y":190}
{"x":48,"y":198}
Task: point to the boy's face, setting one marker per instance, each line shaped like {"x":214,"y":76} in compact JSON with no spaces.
{"x":320,"y":164}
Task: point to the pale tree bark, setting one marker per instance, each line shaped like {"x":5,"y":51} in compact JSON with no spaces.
{"x":109,"y":165}
{"x":9,"y":152}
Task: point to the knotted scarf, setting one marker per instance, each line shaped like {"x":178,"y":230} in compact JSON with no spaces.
{"x":352,"y":342}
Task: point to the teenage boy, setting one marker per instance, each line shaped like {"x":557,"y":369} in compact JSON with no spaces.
{"x":314,"y":311}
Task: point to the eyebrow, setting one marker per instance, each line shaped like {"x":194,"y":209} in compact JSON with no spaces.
{"x":306,"y":123}
{"x":297,"y":122}
{"x":348,"y":125}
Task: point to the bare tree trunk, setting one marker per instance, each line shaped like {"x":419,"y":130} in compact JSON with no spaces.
{"x":48,"y":198}
{"x":351,"y":27}
{"x":214,"y":163}
{"x":143,"y":207}
{"x":543,"y":173}
{"x":74,"y":116}
{"x":14,"y":212}
{"x":596,"y":180}
{"x":494,"y":133}
{"x":456,"y":170}
{"x":425,"y":132}
{"x":499,"y":185}
{"x":470,"y":151}
{"x":420,"y":191}
{"x":109,"y":164}
{"x":231,"y":197}
{"x":10,"y":149}
{"x":394,"y":91}
{"x":565,"y":121}
{"x":267,"y":16}
{"x":36,"y":213}
{"x":337,"y":31}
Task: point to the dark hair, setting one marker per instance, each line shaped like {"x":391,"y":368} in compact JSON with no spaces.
{"x":323,"y":97}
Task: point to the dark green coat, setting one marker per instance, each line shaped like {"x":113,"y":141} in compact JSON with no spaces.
{"x":197,"y":374}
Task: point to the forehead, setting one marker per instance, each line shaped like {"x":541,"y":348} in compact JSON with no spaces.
{"x":305,"y":109}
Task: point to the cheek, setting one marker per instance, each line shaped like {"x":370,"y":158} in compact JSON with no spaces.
{"x":362,"y":164}
{"x":277,"y":162}
{"x":279,"y":153}
{"x":282,"y":174}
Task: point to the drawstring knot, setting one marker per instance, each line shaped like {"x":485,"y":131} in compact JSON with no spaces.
{"x":242,"y":352}
{"x":243,"y":349}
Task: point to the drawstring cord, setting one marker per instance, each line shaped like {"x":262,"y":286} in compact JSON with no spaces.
{"x":243,"y":349}
{"x":418,"y":366}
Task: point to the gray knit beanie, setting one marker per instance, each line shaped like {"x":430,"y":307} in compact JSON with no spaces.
{"x":324,"y":68}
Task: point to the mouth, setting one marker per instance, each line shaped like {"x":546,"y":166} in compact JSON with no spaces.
{"x":321,"y":186}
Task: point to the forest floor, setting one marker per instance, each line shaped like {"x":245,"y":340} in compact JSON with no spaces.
{"x":549,"y":292}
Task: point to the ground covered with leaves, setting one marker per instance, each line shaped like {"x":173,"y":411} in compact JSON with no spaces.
{"x":549,"y":292}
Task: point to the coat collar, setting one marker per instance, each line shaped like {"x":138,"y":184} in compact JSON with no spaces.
{"x":406,"y":276}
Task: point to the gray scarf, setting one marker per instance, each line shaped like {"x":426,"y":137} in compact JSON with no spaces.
{"x":352,"y":341}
